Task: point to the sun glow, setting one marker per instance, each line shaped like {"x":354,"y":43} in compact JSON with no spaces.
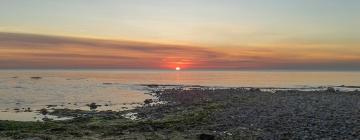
{"x":177,"y":68}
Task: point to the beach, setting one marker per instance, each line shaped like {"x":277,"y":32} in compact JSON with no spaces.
{"x":179,"y":70}
{"x":199,"y":112}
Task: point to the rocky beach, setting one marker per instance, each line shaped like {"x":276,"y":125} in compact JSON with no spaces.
{"x":205,"y":113}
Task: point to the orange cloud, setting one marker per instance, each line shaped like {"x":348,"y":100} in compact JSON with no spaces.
{"x":41,"y":51}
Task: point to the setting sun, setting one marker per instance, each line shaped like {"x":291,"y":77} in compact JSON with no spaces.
{"x":249,"y":69}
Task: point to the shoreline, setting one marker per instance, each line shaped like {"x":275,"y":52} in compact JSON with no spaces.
{"x":34,"y":114}
{"x":221,"y":113}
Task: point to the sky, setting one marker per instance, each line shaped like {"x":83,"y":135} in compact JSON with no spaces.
{"x":191,"y":34}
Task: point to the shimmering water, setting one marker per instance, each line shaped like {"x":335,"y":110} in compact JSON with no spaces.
{"x":76,"y":88}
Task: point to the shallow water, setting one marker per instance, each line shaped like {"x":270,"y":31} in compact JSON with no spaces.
{"x":119,"y":90}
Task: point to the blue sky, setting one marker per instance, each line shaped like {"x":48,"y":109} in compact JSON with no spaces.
{"x":186,"y":21}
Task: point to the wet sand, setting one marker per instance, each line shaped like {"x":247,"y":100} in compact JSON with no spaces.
{"x":209,"y":113}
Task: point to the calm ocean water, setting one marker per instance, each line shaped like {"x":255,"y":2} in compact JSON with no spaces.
{"x":76,"y":88}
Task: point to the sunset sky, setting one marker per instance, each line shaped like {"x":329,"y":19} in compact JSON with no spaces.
{"x":191,"y":34}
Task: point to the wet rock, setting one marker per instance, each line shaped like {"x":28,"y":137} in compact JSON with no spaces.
{"x":148,"y":101}
{"x":44,"y":111}
{"x":153,"y":86}
{"x":49,"y":106}
{"x":107,"y":83}
{"x":36,"y":78}
{"x":206,"y":137}
{"x":331,"y":90}
{"x":28,"y":110}
{"x":69,"y":113}
{"x":254,"y":90}
{"x":93,"y":106}
{"x":46,"y":119}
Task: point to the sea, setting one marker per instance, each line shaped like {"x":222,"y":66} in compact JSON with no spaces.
{"x":23,"y":92}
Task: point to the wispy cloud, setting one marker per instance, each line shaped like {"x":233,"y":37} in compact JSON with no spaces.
{"x":43,"y":51}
